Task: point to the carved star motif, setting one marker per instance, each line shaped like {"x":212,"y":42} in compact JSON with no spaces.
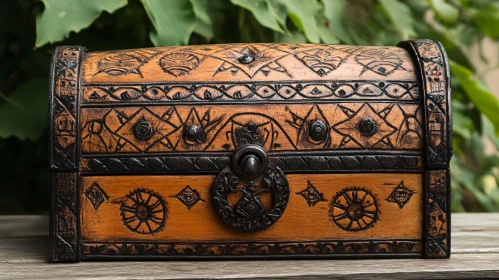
{"x":261,"y":55}
{"x":160,"y":128}
{"x":350,"y":127}
{"x":311,"y":195}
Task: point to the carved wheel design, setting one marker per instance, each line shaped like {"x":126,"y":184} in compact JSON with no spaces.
{"x":144,"y":212}
{"x":354,"y":209}
{"x":249,"y":212}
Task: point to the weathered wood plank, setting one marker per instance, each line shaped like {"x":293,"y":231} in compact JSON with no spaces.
{"x":24,"y":226}
{"x":470,"y":232}
{"x":475,"y":222}
{"x":475,"y":254}
{"x":25,"y":258}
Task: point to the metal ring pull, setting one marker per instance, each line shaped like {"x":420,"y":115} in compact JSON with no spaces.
{"x":249,"y":177}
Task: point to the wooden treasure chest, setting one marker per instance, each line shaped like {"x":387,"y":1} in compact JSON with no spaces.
{"x":250,"y":151}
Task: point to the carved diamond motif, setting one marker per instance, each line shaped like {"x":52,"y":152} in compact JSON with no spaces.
{"x":161,"y":127}
{"x":350,"y":127}
{"x":189,"y":197}
{"x":96,"y":195}
{"x":311,"y":195}
{"x":400,"y":195}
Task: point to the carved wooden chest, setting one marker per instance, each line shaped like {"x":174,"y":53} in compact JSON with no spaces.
{"x":251,"y":151}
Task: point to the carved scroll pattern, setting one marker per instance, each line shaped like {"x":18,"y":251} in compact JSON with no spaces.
{"x":317,"y":248}
{"x":220,"y":92}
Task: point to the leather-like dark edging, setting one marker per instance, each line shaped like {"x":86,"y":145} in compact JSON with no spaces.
{"x":65,"y":217}
{"x":213,"y":164}
{"x":437,"y":215}
{"x":435,"y":84}
{"x":63,"y":111}
{"x":64,"y":156}
{"x":435,"y":79}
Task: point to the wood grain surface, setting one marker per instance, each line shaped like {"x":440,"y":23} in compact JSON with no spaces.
{"x":248,"y":62}
{"x":276,"y":127}
{"x":475,"y":247}
{"x":299,"y":222}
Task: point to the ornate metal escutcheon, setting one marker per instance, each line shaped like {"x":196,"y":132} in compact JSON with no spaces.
{"x":249,"y":177}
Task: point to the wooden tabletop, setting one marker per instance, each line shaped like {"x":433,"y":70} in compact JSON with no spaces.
{"x":24,"y":249}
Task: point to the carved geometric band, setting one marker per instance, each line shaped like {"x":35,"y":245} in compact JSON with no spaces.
{"x":327,"y":247}
{"x":220,"y":92}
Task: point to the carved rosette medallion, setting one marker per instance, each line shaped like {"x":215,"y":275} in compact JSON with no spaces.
{"x":144,"y":212}
{"x":354,"y":209}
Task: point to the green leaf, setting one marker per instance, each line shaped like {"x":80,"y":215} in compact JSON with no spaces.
{"x":60,"y":17}
{"x":173,"y":20}
{"x":487,"y":19}
{"x":334,"y":11}
{"x":279,"y":11}
{"x":204,"y":25}
{"x":401,"y":17}
{"x":483,"y":99}
{"x":24,"y":112}
{"x":267,"y":14}
{"x":303,"y":15}
{"x":295,"y":37}
{"x":464,"y":177}
{"x":446,"y":12}
{"x":327,"y":36}
{"x":488,"y":130}
{"x":461,"y":123}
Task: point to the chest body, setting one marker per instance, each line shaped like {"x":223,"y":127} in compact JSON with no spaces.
{"x":251,"y":151}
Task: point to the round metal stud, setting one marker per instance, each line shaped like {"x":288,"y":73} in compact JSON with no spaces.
{"x":143,"y":129}
{"x":192,"y":132}
{"x":317,"y":130}
{"x":368,"y":127}
{"x":246,"y":59}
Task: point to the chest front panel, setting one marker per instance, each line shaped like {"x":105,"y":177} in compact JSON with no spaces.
{"x":249,"y":150}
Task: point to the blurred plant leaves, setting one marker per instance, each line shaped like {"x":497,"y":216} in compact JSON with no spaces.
{"x":334,"y":11}
{"x":462,"y":124}
{"x":204,"y":25}
{"x":445,"y":11}
{"x":487,"y":18}
{"x":483,"y":99}
{"x":303,"y":14}
{"x":104,"y":25}
{"x":61,"y":17}
{"x":269,"y":13}
{"x":24,"y":113}
{"x":401,"y":17}
{"x":173,"y":21}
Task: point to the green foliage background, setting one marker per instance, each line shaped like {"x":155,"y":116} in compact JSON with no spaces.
{"x":30,"y":29}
